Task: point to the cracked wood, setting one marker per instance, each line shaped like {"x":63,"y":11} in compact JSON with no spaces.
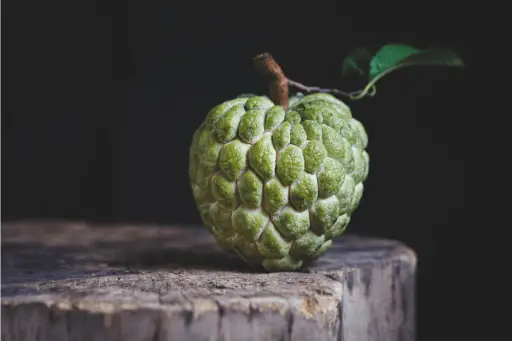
{"x":71,"y":281}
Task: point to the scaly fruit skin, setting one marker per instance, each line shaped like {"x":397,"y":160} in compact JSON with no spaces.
{"x":277,"y":186}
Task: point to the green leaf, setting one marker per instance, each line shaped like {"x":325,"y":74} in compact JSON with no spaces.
{"x":395,"y":56}
{"x":357,"y":61}
{"x":433,"y":56}
{"x":389,"y":56}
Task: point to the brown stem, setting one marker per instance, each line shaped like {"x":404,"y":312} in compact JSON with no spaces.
{"x":278,"y":83}
{"x":274,"y":75}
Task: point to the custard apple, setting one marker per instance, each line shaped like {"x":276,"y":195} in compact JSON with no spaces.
{"x":275,"y":185}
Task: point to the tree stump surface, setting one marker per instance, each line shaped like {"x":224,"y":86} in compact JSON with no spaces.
{"x":70,"y":281}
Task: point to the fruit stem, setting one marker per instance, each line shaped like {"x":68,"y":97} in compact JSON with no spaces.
{"x":279,"y":84}
{"x":274,"y":75}
{"x":370,"y":90}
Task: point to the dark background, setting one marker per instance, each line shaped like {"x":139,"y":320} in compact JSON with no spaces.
{"x":100,"y":101}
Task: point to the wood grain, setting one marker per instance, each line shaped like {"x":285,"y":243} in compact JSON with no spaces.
{"x":69,"y":281}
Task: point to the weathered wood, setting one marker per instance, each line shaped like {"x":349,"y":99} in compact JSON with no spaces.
{"x":72,"y":281}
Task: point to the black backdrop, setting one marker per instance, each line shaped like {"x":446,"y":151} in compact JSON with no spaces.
{"x":100,"y":101}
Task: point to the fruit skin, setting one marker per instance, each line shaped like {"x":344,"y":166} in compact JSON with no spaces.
{"x":277,"y":186}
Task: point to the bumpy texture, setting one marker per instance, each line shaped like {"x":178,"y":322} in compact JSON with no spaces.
{"x":277,"y":186}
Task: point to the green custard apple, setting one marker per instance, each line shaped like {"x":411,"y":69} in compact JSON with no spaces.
{"x":274,"y":185}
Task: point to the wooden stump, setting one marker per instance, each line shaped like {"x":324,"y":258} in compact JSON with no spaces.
{"x":72,"y":281}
